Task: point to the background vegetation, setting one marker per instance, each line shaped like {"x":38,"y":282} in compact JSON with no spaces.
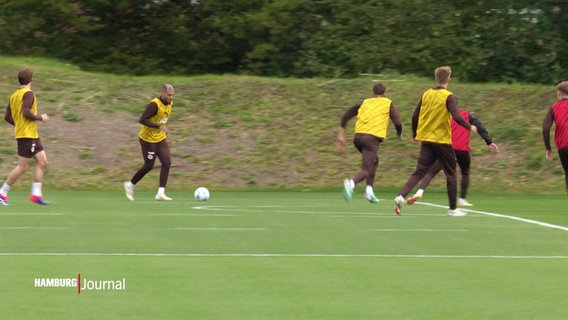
{"x":485,"y":41}
{"x":260,"y":132}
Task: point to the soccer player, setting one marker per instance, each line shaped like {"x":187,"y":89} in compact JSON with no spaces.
{"x":153,"y":142}
{"x":431,"y":125}
{"x":373,"y":116}
{"x":21,"y":112}
{"x":558,"y":113}
{"x":460,"y":143}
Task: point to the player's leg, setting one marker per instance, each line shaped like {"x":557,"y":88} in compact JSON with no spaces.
{"x":25,"y":155}
{"x":40,"y":158}
{"x":370,"y":180}
{"x":149,"y":156}
{"x":563,"y":155}
{"x":426,"y":159}
{"x":21,"y":167}
{"x":349,"y":184}
{"x":370,"y":164}
{"x":447,"y":158}
{"x":430,"y":175}
{"x":464,"y":162}
{"x":163,"y":152}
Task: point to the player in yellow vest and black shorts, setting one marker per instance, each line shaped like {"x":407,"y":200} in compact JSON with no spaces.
{"x":373,"y":115}
{"x":431,"y":125}
{"x":22,"y":114}
{"x":153,"y":142}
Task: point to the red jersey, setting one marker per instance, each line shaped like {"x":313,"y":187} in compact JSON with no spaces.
{"x":460,"y":135}
{"x":560,"y":109}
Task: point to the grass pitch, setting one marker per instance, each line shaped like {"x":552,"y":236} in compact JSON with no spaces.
{"x":284,"y":255}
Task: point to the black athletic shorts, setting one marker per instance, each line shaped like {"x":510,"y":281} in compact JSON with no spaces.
{"x":28,"y":147}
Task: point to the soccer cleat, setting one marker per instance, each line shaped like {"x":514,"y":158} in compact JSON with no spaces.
{"x":38,"y":199}
{"x":347,"y":190}
{"x":457,"y":213}
{"x":398,"y":201}
{"x":163,"y":197}
{"x":4,"y":200}
{"x":128,"y":191}
{"x":372,"y":198}
{"x":463,"y":203}
{"x":413,"y":199}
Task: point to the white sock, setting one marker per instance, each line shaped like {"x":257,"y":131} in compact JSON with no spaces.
{"x":36,"y":189}
{"x":161,"y":190}
{"x":420,"y":192}
{"x":369,"y":190}
{"x":352,"y":183}
{"x":130,"y":185}
{"x":4,"y":190}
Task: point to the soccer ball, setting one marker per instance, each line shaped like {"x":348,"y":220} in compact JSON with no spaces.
{"x":201,"y":194}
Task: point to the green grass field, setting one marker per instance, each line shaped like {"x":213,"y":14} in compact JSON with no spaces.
{"x":284,"y":255}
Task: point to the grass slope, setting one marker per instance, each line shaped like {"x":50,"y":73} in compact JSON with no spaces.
{"x":238,"y":131}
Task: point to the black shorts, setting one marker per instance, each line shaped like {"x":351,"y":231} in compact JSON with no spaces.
{"x":29,"y":147}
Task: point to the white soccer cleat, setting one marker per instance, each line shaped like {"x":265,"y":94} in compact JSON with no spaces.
{"x":163,"y":197}
{"x":463,"y":203}
{"x":457,"y":213}
{"x":348,"y":188}
{"x":398,"y":201}
{"x":372,"y":198}
{"x":128,"y":191}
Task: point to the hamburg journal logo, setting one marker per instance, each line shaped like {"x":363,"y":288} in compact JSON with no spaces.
{"x":81,"y":284}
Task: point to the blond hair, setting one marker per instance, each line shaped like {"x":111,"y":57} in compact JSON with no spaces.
{"x":562,"y":87}
{"x":442,"y":74}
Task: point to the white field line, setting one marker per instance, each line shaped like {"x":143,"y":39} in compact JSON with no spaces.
{"x":267,"y":255}
{"x":420,"y":230}
{"x":382,"y":215}
{"x":539,"y":223}
{"x":220,"y":229}
{"x":30,"y":213}
{"x":35,"y":228}
{"x":196,"y":214}
{"x":308,"y":255}
{"x":379,"y":215}
{"x":262,"y":209}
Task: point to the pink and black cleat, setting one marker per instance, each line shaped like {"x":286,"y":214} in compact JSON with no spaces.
{"x":38,"y":199}
{"x":4,"y":200}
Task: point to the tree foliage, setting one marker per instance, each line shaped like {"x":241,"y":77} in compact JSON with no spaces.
{"x":483,"y":40}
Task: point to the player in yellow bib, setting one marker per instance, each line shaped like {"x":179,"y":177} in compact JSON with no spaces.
{"x":153,"y":142}
{"x":373,"y":116}
{"x":21,"y":112}
{"x":431,"y":125}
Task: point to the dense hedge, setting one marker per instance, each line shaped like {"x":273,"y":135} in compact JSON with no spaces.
{"x":496,"y":41}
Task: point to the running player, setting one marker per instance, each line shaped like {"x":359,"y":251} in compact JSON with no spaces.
{"x":21,"y":112}
{"x":460,"y":143}
{"x":431,"y":125}
{"x":558,"y":114}
{"x":373,"y":116}
{"x":153,"y":142}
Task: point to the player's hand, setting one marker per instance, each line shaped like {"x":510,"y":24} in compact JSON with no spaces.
{"x":44,"y":117}
{"x":164,"y":129}
{"x":340,"y":143}
{"x":493,"y":147}
{"x":473,"y":129}
{"x":548,"y":155}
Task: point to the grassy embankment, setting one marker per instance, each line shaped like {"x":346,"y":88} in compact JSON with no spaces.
{"x":240,"y":131}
